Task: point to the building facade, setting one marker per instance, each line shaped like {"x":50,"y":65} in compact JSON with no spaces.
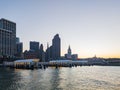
{"x":56,"y":47}
{"x":7,"y":37}
{"x":41,"y":53}
{"x":69,"y":55}
{"x":48,"y":53}
{"x":19,"y":49}
{"x":17,"y":39}
{"x":34,"y":45}
{"x":31,"y":54}
{"x":74,"y":56}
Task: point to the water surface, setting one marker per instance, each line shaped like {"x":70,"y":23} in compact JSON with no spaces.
{"x":76,"y":78}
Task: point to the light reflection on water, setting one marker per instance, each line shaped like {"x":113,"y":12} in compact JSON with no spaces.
{"x":76,"y":78}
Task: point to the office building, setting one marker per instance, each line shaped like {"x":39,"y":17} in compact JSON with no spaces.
{"x":48,"y":54}
{"x":34,"y":45}
{"x":31,"y":54}
{"x":7,"y":37}
{"x":56,"y":47}
{"x":17,"y":40}
{"x":19,"y":48}
{"x":41,"y":53}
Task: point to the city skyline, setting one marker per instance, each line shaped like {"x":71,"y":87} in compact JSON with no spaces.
{"x":90,"y":27}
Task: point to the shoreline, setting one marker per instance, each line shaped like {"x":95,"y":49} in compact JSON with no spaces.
{"x":56,"y":66}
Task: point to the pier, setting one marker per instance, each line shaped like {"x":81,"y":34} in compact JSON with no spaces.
{"x":35,"y":64}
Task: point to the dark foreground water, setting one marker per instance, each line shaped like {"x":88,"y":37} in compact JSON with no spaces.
{"x":76,"y":78}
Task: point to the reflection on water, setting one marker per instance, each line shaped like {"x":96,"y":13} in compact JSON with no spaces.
{"x":76,"y":78}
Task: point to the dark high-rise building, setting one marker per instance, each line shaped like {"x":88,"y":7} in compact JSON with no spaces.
{"x":33,"y":52}
{"x":41,"y":53}
{"x":17,"y":40}
{"x":48,"y":54}
{"x":56,"y":47}
{"x":34,"y":45}
{"x":7,"y":37}
{"x":19,"y":49}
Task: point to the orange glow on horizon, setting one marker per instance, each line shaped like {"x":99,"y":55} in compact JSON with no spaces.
{"x":110,"y":55}
{"x":101,"y":56}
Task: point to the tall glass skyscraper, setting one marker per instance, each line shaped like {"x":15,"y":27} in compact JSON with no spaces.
{"x":56,"y":47}
{"x":7,"y":37}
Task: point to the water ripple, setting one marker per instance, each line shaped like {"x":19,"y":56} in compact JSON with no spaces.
{"x":80,"y":78}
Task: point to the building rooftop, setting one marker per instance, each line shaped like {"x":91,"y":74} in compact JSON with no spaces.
{"x":7,"y":20}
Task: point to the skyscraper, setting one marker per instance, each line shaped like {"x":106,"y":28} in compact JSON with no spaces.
{"x":19,"y":48}
{"x":41,"y":53}
{"x":56,"y":47}
{"x":48,"y":54}
{"x":7,"y":37}
{"x":33,"y":52}
{"x":34,"y":45}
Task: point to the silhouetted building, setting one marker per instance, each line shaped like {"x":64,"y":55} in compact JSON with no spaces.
{"x":48,"y":54}
{"x":74,"y":56}
{"x":31,"y":54}
{"x":69,"y":54}
{"x":19,"y":49}
{"x":34,"y":45}
{"x":41,"y":53}
{"x":56,"y":47}
{"x":7,"y":37}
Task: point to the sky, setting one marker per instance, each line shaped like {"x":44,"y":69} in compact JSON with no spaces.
{"x":90,"y":27}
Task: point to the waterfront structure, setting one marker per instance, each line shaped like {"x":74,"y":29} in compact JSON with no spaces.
{"x":34,"y":45}
{"x":69,"y":54}
{"x":56,"y":47}
{"x":26,"y":63}
{"x":31,"y":54}
{"x":7,"y":38}
{"x":74,"y":56}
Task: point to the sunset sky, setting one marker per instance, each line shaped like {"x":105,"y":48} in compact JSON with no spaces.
{"x":90,"y":27}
